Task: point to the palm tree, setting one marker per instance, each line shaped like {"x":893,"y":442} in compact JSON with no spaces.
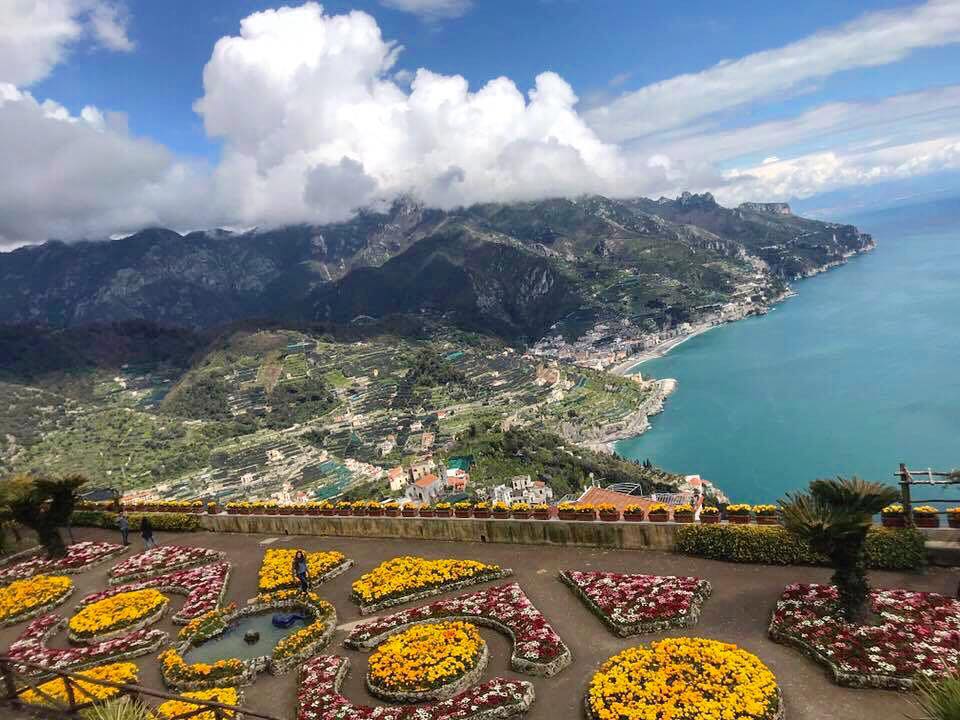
{"x":834,"y":517}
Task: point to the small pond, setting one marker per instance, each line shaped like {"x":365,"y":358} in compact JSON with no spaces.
{"x":232,"y":645}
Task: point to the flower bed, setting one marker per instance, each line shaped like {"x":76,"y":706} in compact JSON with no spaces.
{"x":177,"y":708}
{"x":919,"y":635}
{"x":427,"y":662}
{"x":205,"y":588}
{"x":25,"y":599}
{"x":31,"y":646}
{"x":319,"y":698}
{"x":80,"y":557}
{"x":289,"y":652}
{"x":684,"y":678}
{"x":634,"y":604}
{"x":161,"y":561}
{"x":276,"y":570}
{"x":537,"y":649}
{"x":84,"y":694}
{"x":407,"y":578}
{"x":117,"y":615}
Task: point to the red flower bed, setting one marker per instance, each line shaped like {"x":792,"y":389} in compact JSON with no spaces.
{"x":319,"y":698}
{"x":80,"y":556}
{"x":919,"y":635}
{"x":162,"y":560}
{"x":630,"y":604}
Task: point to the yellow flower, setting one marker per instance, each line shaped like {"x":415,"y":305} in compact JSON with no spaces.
{"x":84,"y":693}
{"x":407,"y":574}
{"x":116,"y":612}
{"x":426,"y":656}
{"x":22,"y":596}
{"x":175,"y":708}
{"x":276,"y":571}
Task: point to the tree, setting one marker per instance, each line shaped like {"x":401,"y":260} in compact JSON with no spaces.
{"x":44,"y":505}
{"x":834,"y":517}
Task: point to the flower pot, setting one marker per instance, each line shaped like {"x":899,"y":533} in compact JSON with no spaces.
{"x":359,"y":511}
{"x":710,"y":519}
{"x":738,"y":519}
{"x":926,"y":521}
{"x":587,"y":517}
{"x":409,"y":512}
{"x":427,"y":513}
{"x":768,"y":520}
{"x":375,"y":512}
{"x":952,"y":521}
{"x":522,"y":514}
{"x":683,"y":517}
{"x":462,"y":513}
{"x":501,"y":514}
{"x":443,"y":513}
{"x":315,"y":512}
{"x":328,"y":512}
{"x":391,"y":512}
{"x":481,"y":514}
{"x":567,"y":515}
{"x":610,"y":516}
{"x":658,"y":516}
{"x":633,"y":517}
{"x":894,"y":521}
{"x":541,"y":514}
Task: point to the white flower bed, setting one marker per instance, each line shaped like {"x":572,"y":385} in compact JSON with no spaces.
{"x":80,"y":557}
{"x":161,"y":561}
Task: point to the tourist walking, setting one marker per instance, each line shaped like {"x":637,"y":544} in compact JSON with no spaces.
{"x":146,"y":532}
{"x":124,"y":522}
{"x":300,"y":570}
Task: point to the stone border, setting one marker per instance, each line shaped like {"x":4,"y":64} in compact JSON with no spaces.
{"x":841,"y":677}
{"x":624,"y":630}
{"x":20,"y":556}
{"x":140,"y":624}
{"x":781,"y":713}
{"x":150,"y":574}
{"x":443,"y":692}
{"x":500,"y":711}
{"x":430,"y":592}
{"x":40,"y":609}
{"x":519,"y":664}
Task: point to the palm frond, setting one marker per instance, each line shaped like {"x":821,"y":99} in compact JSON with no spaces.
{"x":854,"y":495}
{"x":939,"y":700}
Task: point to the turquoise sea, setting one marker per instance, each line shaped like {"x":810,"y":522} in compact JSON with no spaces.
{"x":859,"y":372}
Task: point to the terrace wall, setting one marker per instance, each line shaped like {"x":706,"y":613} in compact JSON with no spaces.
{"x":624,"y":535}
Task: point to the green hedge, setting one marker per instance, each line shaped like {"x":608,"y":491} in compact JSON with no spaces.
{"x":887,"y":549}
{"x":163,"y":521}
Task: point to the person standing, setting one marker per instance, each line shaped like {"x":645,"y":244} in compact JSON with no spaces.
{"x":124,"y":522}
{"x":300,"y":570}
{"x":146,"y":532}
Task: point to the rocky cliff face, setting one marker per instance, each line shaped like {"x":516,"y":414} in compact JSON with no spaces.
{"x":772,"y":208}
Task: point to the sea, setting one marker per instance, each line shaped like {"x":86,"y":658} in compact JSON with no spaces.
{"x":858,"y":372}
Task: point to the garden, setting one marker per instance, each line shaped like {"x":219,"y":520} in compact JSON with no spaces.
{"x":731,"y":628}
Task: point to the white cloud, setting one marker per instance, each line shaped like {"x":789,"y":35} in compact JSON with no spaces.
{"x":873,"y":39}
{"x":35,"y":35}
{"x":430,"y":9}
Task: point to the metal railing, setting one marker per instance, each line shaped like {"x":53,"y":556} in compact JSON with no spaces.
{"x":16,"y":682}
{"x":923,"y":478}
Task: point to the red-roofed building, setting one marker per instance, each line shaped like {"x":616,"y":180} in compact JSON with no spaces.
{"x":426,"y":489}
{"x":597,"y":496}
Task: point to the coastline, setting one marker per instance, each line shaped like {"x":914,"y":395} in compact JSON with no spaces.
{"x":660,"y":350}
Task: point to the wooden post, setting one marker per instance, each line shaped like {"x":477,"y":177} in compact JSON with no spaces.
{"x":905,"y":494}
{"x":68,"y":686}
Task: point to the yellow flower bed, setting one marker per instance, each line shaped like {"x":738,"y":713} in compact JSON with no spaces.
{"x":176,"y":671}
{"x":175,"y":708}
{"x":115,"y":613}
{"x":276,"y":571}
{"x":426,"y":656}
{"x":925,"y":510}
{"x":407,"y":574}
{"x":22,"y":596}
{"x":84,"y":693}
{"x":683,"y":679}
{"x":739,"y":509}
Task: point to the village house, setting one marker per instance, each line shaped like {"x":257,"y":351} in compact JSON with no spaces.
{"x":426,"y":490}
{"x":397,"y":478}
{"x":419,"y":469}
{"x":457,"y":479}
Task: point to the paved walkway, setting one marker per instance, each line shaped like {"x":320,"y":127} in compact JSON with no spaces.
{"x":738,"y":611}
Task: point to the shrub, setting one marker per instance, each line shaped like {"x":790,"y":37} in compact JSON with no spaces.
{"x":886,"y":548}
{"x":164,"y":521}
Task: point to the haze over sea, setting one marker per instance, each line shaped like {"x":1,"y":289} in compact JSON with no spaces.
{"x":859,"y":372}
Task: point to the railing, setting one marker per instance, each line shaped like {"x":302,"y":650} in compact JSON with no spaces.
{"x":16,"y":682}
{"x":928,"y":478}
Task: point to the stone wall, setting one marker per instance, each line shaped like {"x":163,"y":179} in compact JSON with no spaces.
{"x":626,"y":535}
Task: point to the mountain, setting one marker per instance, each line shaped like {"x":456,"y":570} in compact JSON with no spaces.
{"x":517,"y":270}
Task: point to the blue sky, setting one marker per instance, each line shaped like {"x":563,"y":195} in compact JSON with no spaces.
{"x":308,"y":113}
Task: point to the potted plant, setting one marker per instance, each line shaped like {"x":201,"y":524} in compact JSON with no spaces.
{"x":767,"y":514}
{"x":521,"y":511}
{"x":501,"y":511}
{"x":391,"y":509}
{"x":344,"y":508}
{"x":409,"y":510}
{"x":566,"y":511}
{"x":427,"y":511}
{"x":683,"y":514}
{"x":953,"y":517}
{"x":633,"y":513}
{"x":608,"y":512}
{"x":359,"y":507}
{"x":481,"y":510}
{"x":374,"y":509}
{"x":197,"y":507}
{"x":286,"y":509}
{"x":541,"y":511}
{"x":658,"y":512}
{"x":926,"y":516}
{"x":893,"y":516}
{"x":461,"y":509}
{"x":443,"y":509}
{"x":327,"y":509}
{"x":709,"y":515}
{"x":739,"y":514}
{"x":585,"y":511}
{"x":233,"y":508}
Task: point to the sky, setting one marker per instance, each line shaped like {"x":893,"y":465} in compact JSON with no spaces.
{"x":121,"y":114}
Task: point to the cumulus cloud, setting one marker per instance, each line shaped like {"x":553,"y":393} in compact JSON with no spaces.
{"x":873,"y":39}
{"x":35,"y":35}
{"x":430,"y":9}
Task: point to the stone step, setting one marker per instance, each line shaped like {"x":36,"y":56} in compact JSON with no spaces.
{"x":943,"y":552}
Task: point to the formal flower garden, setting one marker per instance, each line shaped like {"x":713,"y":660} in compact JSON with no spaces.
{"x":276,"y":573}
{"x":80,"y":557}
{"x":25,"y":599}
{"x":116,"y":615}
{"x":160,"y":561}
